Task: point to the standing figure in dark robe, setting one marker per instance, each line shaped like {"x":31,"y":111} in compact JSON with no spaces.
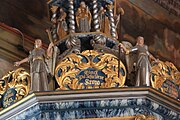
{"x":38,"y":66}
{"x":101,"y":16}
{"x":62,"y":25}
{"x":118,"y":22}
{"x":143,"y":65}
{"x":104,"y":21}
{"x":83,"y":18}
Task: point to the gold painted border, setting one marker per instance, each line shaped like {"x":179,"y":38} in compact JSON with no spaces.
{"x":17,"y":104}
{"x":113,"y":118}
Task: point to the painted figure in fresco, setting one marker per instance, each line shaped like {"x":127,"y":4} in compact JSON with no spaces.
{"x":83,"y":18}
{"x":143,"y":65}
{"x":104,"y":21}
{"x":62,"y":25}
{"x":38,"y":66}
{"x":174,"y":48}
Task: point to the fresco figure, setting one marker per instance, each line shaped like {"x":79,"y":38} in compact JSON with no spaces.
{"x":62,"y":27}
{"x":171,"y":40}
{"x":38,"y":66}
{"x":83,"y":18}
{"x":143,"y":65}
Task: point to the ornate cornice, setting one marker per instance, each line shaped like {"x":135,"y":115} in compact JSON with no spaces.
{"x":150,"y":96}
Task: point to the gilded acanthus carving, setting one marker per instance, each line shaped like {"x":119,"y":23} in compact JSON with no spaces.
{"x":14,"y":86}
{"x":19,"y":80}
{"x":166,"y":78}
{"x":88,"y":70}
{"x":144,"y":117}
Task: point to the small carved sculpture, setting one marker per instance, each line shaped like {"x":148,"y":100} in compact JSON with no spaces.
{"x":62,"y":27}
{"x":83,"y":18}
{"x":38,"y":66}
{"x":104,"y":21}
{"x":143,"y":65}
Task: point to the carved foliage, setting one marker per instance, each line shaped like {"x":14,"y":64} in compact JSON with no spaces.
{"x":15,"y":85}
{"x":144,"y":117}
{"x":166,"y":78}
{"x":89,"y":69}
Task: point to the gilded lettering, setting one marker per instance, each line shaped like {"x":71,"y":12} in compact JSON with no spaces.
{"x":92,"y":82}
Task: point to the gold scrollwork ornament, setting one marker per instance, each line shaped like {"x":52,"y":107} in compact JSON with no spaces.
{"x":144,"y":117}
{"x":91,"y":66}
{"x":19,"y":80}
{"x":166,"y":78}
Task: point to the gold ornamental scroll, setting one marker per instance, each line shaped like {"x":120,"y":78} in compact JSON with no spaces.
{"x":89,"y":70}
{"x":137,"y":117}
{"x":14,"y":86}
{"x":165,"y":77}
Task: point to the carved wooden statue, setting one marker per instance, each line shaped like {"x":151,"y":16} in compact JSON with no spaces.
{"x":143,"y":65}
{"x":104,"y":21}
{"x":83,"y":18}
{"x":62,"y":25}
{"x":38,"y":66}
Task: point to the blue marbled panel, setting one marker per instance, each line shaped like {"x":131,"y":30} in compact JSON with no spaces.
{"x":27,"y":114}
{"x":97,"y":109}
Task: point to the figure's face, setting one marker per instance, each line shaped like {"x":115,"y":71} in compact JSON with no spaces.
{"x":38,"y":43}
{"x":102,"y":8}
{"x":83,"y":5}
{"x":61,"y":10}
{"x":140,"y":40}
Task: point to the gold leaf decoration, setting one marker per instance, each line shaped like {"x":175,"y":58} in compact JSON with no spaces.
{"x":19,"y":80}
{"x":89,"y":70}
{"x":144,"y":117}
{"x":165,"y":77}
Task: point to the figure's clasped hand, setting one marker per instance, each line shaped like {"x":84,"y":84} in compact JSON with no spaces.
{"x":124,"y":48}
{"x":47,"y":30}
{"x":120,"y":44}
{"x":16,"y":64}
{"x":51,"y":45}
{"x":157,"y":60}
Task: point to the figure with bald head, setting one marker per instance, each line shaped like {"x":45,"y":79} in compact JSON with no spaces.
{"x":143,"y":65}
{"x":38,"y":67}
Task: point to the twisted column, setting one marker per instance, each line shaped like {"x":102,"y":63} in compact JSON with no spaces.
{"x":71,"y":17}
{"x":111,"y":20}
{"x":95,"y":16}
{"x":72,"y":42}
{"x":98,"y":39}
{"x":54,"y":21}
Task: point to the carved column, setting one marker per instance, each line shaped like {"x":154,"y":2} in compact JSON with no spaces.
{"x":111,"y":20}
{"x":54,"y":21}
{"x":95,"y":16}
{"x":72,"y":43}
{"x":98,"y":39}
{"x":71,"y":17}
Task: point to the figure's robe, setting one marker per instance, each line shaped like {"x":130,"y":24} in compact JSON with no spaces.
{"x":38,"y":69}
{"x":142,"y":66}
